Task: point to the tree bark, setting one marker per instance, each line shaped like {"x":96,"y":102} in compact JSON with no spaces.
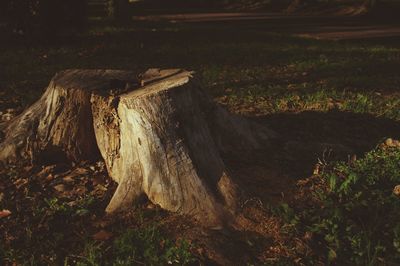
{"x":59,"y":126}
{"x":161,"y":137}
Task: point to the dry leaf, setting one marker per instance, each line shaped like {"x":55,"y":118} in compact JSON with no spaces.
{"x":60,"y":187}
{"x":80,"y":171}
{"x":97,"y":180}
{"x":102,"y":235}
{"x":4,"y":213}
{"x":68,"y":179}
{"x":396,"y":190}
{"x":46,"y":171}
{"x":49,"y":177}
{"x":80,"y":190}
{"x":20,"y":182}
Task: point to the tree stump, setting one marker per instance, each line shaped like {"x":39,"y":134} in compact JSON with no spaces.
{"x":160,"y":136}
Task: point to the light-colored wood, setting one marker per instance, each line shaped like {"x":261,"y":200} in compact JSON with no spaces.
{"x":160,"y":137}
{"x":59,"y":126}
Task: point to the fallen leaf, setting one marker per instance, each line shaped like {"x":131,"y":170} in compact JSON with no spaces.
{"x":80,"y":171}
{"x":60,"y":187}
{"x":46,"y":171}
{"x":396,"y":190}
{"x":102,"y":235}
{"x":97,"y":180}
{"x":20,"y":182}
{"x":200,"y":251}
{"x":4,"y":213}
{"x":100,"y":188}
{"x":46,"y":174}
{"x":68,"y":179}
{"x":79,"y":190}
{"x":49,"y":177}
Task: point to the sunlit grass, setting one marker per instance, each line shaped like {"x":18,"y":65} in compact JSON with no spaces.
{"x":274,"y":72}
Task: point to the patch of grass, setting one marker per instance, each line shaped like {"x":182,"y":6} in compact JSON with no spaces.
{"x":353,"y":212}
{"x":44,"y":237}
{"x":277,"y":99}
{"x":246,"y":59}
{"x":142,"y":246}
{"x":93,"y":255}
{"x":150,"y":247}
{"x":54,"y":207}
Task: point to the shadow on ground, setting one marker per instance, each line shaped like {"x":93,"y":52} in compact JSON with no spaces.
{"x":304,"y":139}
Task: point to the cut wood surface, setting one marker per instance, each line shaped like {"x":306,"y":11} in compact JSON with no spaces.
{"x":159,"y":134}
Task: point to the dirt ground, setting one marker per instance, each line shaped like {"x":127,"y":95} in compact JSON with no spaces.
{"x":267,"y":177}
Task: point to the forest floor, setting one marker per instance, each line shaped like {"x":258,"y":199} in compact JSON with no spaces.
{"x":329,"y":99}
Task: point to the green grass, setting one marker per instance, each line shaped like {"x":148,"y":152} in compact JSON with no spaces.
{"x":278,"y":99}
{"x":57,"y":233}
{"x":351,"y":210}
{"x":144,"y":246}
{"x":45,"y":229}
{"x":274,"y":72}
{"x":150,"y":247}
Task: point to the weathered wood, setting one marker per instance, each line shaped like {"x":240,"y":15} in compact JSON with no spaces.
{"x":161,"y":137}
{"x":59,"y":126}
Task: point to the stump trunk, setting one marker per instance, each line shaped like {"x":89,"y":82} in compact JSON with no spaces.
{"x":159,"y":135}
